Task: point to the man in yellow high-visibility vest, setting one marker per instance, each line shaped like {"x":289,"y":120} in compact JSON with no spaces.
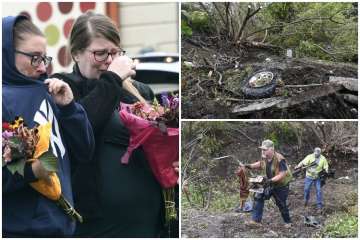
{"x":312,"y":175}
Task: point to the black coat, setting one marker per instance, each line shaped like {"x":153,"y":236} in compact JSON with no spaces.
{"x":116,"y":200}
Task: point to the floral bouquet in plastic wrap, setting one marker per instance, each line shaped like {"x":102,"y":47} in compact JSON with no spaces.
{"x":155,"y":127}
{"x":20,"y":145}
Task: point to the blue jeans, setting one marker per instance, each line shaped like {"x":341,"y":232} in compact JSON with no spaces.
{"x":280,"y":195}
{"x":307,"y":188}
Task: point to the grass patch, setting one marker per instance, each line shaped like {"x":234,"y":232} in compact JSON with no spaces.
{"x":224,"y":196}
{"x":222,"y":202}
{"x":341,"y":225}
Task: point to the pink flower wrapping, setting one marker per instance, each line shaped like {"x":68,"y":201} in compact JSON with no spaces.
{"x":160,"y":149}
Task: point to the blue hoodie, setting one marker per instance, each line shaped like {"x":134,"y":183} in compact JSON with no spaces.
{"x":26,"y":213}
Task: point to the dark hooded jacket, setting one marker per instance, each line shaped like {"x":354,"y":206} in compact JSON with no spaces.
{"x":26,"y":213}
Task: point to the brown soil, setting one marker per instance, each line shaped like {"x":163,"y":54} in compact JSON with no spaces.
{"x":197,"y":223}
{"x":202,"y":224}
{"x":211,"y":88}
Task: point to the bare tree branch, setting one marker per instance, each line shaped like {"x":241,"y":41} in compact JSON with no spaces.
{"x":249,"y":15}
{"x":285,"y":24}
{"x":221,"y":16}
{"x":227,"y":13}
{"x":245,"y":135}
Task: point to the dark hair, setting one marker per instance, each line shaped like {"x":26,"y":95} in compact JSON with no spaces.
{"x":90,"y":25}
{"x":24,"y":26}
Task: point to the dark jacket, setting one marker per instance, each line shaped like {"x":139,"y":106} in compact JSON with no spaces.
{"x":101,"y":97}
{"x":26,"y":213}
{"x":117,"y":200}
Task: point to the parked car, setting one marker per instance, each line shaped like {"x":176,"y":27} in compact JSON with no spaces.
{"x":159,"y":70}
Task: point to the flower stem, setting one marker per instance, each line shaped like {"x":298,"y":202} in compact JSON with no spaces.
{"x":69,"y":210}
{"x":170,"y":210}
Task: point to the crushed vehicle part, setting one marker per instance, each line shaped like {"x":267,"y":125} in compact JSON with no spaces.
{"x":261,"y":84}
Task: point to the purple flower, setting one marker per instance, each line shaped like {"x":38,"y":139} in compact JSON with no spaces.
{"x":165,"y":100}
{"x":6,"y":134}
{"x":174,"y":104}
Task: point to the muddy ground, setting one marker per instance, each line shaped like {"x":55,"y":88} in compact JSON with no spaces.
{"x":215,"y":72}
{"x":196,"y":223}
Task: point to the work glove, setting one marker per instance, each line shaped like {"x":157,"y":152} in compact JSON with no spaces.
{"x":297,"y":167}
{"x":267,"y":181}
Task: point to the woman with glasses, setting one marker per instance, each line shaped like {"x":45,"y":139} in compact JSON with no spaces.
{"x":116,"y":200}
{"x":28,"y":93}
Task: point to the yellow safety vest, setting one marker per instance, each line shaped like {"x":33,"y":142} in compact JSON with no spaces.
{"x":313,"y":172}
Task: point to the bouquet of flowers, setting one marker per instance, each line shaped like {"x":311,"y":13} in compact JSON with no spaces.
{"x":20,"y":145}
{"x":156,"y":128}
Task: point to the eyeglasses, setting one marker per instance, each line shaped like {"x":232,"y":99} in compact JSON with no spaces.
{"x":102,"y":55}
{"x":36,"y":59}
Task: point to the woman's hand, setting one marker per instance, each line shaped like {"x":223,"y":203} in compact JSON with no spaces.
{"x":60,"y":91}
{"x":40,"y":172}
{"x":123,"y":66}
{"x":176,"y":168}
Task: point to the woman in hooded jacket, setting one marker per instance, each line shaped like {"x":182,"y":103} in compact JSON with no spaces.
{"x":28,"y":93}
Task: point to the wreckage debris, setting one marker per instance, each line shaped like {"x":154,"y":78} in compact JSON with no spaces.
{"x":261,"y":84}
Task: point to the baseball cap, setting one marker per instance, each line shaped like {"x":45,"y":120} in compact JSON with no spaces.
{"x":317,"y":150}
{"x":266,"y":144}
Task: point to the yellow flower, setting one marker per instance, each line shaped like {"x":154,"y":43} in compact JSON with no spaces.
{"x":51,"y":190}
{"x":42,"y":146}
{"x":18,"y":121}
